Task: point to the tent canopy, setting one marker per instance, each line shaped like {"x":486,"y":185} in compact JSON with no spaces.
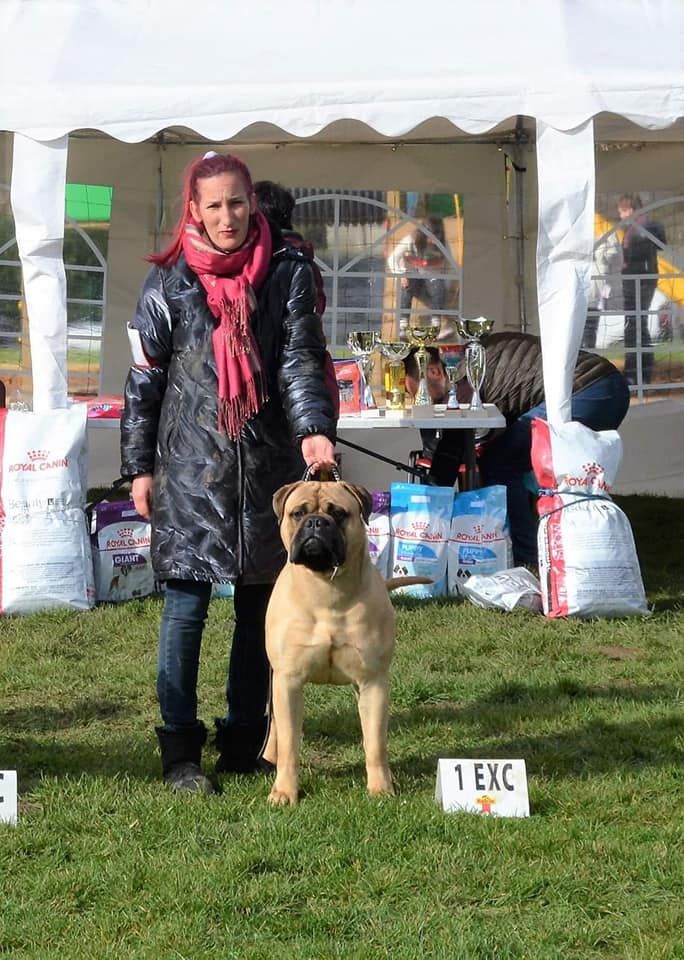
{"x":131,"y":69}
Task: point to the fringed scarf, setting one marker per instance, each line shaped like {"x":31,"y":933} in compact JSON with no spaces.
{"x":230,"y":280}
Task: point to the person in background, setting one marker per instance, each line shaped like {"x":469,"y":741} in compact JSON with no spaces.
{"x":606,"y":288}
{"x":642,"y":240}
{"x":419,"y":252}
{"x":277,"y":204}
{"x":225,"y":402}
{"x":514,"y":382}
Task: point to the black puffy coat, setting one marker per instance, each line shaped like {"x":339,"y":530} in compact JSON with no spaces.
{"x":212,"y":515}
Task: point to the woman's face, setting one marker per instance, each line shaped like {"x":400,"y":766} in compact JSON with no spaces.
{"x":223,"y":207}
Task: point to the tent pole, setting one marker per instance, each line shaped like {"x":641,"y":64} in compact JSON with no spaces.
{"x":521,"y":138}
{"x":160,"y":211}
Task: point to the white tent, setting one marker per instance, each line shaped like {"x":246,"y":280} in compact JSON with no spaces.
{"x":381,"y":70}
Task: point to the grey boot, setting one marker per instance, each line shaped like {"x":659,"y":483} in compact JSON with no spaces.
{"x":181,"y":760}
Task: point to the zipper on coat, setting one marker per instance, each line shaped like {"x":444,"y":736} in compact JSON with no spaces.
{"x":241,"y":508}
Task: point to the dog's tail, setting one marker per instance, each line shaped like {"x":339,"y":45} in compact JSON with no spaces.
{"x":395,"y":582}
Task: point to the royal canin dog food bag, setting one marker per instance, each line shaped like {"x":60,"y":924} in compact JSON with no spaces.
{"x":588,"y":565}
{"x":121,"y":552}
{"x":479,"y":542}
{"x":45,"y":557}
{"x":420,"y":519}
{"x":379,"y":534}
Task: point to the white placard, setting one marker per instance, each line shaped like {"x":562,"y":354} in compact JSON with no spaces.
{"x":8,"y":796}
{"x":496,"y":788}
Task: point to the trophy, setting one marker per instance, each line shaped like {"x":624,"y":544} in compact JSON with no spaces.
{"x":453,"y":362}
{"x":474,"y":331}
{"x":362,"y":344}
{"x":395,"y":351}
{"x":420,"y":335}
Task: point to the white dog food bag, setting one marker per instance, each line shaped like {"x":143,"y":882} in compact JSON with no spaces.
{"x":379,"y":533}
{"x":479,"y":542}
{"x":121,"y":552}
{"x":420,"y":518}
{"x":44,"y":542}
{"x":588,"y":564}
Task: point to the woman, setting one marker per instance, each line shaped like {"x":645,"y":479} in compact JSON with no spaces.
{"x":226,"y":402}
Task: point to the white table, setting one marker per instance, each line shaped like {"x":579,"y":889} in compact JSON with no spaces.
{"x":465,"y":419}
{"x":470,"y":421}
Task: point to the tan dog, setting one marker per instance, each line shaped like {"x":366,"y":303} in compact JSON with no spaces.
{"x":329,"y":620}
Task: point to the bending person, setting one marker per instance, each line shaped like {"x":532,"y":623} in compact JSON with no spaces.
{"x":513,"y":381}
{"x":225,"y":402}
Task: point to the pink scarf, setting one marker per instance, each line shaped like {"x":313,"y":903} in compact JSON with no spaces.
{"x":230,"y":280}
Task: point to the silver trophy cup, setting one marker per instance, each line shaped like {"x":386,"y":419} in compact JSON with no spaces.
{"x":474,"y":331}
{"x":363,"y":343}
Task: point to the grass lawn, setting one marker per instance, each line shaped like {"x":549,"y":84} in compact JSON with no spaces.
{"x":106,"y":863}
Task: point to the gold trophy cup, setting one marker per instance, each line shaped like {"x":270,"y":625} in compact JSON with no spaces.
{"x":420,"y":335}
{"x":395,"y":351}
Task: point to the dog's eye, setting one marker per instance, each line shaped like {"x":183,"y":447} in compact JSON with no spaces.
{"x":298,"y":514}
{"x":338,"y":515}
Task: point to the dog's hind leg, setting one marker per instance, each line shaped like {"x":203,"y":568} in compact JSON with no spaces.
{"x":288,"y":717}
{"x":373,"y":709}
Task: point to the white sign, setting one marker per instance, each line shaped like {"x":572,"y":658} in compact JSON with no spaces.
{"x":8,"y":796}
{"x":497,"y":788}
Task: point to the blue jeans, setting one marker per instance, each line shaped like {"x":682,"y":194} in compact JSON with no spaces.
{"x":506,"y":459}
{"x":180,"y":639}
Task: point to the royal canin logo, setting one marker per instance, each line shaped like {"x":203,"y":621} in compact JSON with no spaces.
{"x":38,"y":461}
{"x":125,"y":532}
{"x":593,"y":475}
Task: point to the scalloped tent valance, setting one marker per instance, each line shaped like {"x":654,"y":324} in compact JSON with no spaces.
{"x":130,"y":69}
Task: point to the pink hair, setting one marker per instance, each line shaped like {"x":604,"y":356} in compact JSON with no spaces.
{"x":209,"y":165}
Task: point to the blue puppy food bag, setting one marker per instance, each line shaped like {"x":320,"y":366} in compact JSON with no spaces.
{"x":479,"y":542}
{"x":420,"y":520}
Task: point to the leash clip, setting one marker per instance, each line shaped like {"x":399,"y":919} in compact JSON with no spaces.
{"x":309,"y":473}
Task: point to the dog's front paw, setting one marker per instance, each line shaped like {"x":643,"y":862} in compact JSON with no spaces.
{"x":380,"y":783}
{"x":282,"y":798}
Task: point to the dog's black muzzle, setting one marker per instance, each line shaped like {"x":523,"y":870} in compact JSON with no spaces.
{"x":318,"y":544}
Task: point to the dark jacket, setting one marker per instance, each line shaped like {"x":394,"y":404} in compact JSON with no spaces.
{"x":640,"y":253}
{"x":212,"y":515}
{"x":513,"y":376}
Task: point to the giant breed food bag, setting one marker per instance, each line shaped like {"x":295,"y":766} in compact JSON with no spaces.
{"x":121,"y":552}
{"x":588,"y":564}
{"x":45,"y":557}
{"x":379,"y":536}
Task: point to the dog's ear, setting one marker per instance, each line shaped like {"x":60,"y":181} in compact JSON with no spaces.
{"x":363,"y":496}
{"x":280,"y":496}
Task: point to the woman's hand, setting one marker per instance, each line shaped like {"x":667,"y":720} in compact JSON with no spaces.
{"x":141,"y":492}
{"x":318,"y":452}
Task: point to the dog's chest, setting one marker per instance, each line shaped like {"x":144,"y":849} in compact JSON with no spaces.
{"x":346,"y":649}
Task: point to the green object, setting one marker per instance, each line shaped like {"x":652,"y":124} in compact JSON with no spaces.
{"x":441,"y":204}
{"x":87,"y":202}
